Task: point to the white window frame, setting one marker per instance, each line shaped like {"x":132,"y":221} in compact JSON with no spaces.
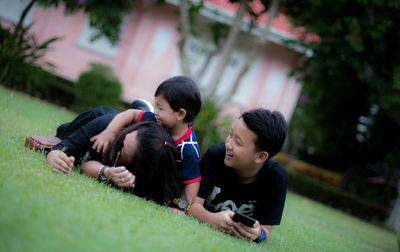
{"x":101,"y":45}
{"x":12,"y":10}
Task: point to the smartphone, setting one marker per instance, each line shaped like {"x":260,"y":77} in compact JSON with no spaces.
{"x":246,"y":220}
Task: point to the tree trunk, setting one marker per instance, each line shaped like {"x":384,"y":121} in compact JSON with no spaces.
{"x":250,"y":60}
{"x":204,"y":67}
{"x":394,"y":219}
{"x":256,"y":50}
{"x":227,"y":50}
{"x":185,"y":25}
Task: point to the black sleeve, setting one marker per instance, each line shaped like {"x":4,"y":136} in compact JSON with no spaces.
{"x":82,"y":119}
{"x":272,"y":201}
{"x":146,"y":116}
{"x":78,"y":142}
{"x":208,"y":165}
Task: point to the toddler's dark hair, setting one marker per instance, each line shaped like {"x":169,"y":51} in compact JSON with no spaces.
{"x":181,"y":93}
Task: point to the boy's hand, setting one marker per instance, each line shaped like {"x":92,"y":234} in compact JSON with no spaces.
{"x":223,"y":221}
{"x":60,"y":162}
{"x":120,"y":176}
{"x":242,"y":231}
{"x":102,"y":140}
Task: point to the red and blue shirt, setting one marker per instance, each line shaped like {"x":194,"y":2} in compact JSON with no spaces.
{"x":188,"y":151}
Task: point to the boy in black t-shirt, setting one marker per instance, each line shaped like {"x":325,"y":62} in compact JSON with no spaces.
{"x":240,"y":176}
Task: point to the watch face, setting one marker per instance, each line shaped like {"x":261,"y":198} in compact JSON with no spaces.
{"x":183,"y":204}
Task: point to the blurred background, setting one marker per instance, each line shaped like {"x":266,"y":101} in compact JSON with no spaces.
{"x":332,"y":68}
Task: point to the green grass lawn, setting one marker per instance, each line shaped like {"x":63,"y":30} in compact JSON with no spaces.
{"x":44,"y":211}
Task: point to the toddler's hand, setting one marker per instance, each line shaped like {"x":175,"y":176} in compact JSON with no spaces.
{"x":102,"y":140}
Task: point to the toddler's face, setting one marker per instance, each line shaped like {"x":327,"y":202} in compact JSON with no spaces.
{"x":165,"y":115}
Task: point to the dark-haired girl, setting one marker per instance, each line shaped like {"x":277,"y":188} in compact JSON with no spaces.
{"x":141,"y":156}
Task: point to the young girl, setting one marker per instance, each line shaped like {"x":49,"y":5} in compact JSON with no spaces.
{"x":141,"y":156}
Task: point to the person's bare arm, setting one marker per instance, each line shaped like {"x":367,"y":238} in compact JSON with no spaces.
{"x":119,"y":176}
{"x":102,"y":140}
{"x":190,"y":191}
{"x":220,"y":220}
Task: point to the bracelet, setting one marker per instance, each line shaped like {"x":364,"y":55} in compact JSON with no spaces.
{"x":262,"y":236}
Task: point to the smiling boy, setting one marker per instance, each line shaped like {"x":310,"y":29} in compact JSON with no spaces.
{"x":241,"y":176}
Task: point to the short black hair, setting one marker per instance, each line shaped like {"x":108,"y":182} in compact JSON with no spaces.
{"x":270,"y":128}
{"x":181,"y":92}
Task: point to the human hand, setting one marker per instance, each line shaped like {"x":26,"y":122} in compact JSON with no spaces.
{"x":102,"y":140}
{"x":223,"y":221}
{"x":60,"y":162}
{"x":120,"y":176}
{"x":242,"y":231}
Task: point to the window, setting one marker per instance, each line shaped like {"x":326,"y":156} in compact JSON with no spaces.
{"x":12,"y":10}
{"x":101,"y":45}
{"x":161,"y":41}
{"x":273,"y":87}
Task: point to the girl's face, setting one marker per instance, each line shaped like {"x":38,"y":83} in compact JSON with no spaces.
{"x":165,"y":115}
{"x":129,"y":148}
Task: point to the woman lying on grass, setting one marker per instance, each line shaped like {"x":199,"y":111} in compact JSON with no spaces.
{"x":142,"y":156}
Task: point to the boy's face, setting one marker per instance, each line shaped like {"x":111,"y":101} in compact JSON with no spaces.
{"x":240,"y":147}
{"x":165,"y":115}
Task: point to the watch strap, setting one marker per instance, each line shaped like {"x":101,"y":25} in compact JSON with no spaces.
{"x":101,"y":177}
{"x":182,"y":204}
{"x":262,"y":236}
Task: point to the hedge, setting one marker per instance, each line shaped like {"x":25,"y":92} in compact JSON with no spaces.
{"x":338,"y":198}
{"x":324,"y":186}
{"x":61,"y":92}
{"x":97,"y":87}
{"x":310,"y":171}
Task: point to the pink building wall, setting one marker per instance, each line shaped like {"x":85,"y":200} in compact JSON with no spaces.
{"x":147,"y":53}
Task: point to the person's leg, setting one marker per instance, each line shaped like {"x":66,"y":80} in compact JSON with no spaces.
{"x":142,"y":104}
{"x":82,"y":119}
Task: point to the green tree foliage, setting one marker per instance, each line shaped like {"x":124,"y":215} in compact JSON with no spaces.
{"x":20,"y":52}
{"x":97,"y":87}
{"x":19,"y":55}
{"x":104,"y":15}
{"x":354,"y":64}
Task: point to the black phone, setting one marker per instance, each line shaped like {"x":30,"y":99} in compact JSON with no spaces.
{"x":246,"y":220}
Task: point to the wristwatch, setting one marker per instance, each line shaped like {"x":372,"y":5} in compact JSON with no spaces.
{"x":262,"y":236}
{"x":101,"y":177}
{"x":181,"y":203}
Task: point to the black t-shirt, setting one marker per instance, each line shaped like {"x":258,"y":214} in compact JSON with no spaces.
{"x":262,"y":199}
